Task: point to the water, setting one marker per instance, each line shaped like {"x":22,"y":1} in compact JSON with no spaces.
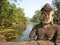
{"x":26,"y":33}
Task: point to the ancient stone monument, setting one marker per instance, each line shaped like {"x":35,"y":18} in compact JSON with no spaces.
{"x":46,"y":30}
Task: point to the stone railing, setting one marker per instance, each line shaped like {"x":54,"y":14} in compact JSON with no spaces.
{"x":40,"y":42}
{"x":28,"y":43}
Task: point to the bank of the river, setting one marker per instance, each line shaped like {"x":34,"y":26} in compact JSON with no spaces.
{"x":33,"y":23}
{"x":17,"y":32}
{"x":26,"y":33}
{"x":13,"y":32}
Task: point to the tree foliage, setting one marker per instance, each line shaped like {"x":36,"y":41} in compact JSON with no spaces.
{"x":9,"y":13}
{"x":36,"y":17}
{"x":57,"y":12}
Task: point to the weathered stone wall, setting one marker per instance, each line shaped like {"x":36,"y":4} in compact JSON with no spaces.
{"x":28,"y":43}
{"x":40,"y":42}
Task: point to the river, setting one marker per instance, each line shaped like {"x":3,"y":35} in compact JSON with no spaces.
{"x":26,"y":33}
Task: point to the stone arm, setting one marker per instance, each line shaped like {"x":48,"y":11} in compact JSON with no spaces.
{"x":33,"y":34}
{"x":56,"y":37}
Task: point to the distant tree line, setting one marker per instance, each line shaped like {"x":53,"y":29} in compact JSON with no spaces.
{"x":36,"y":17}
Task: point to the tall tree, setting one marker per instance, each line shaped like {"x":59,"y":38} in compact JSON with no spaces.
{"x":4,"y":10}
{"x":9,"y":13}
{"x":57,"y":13}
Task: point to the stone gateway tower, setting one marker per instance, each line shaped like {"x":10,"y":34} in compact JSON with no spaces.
{"x":46,"y":30}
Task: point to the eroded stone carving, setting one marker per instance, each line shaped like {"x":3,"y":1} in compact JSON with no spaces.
{"x":46,"y":30}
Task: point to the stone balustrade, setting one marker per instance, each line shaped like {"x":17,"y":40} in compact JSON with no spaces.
{"x":27,"y":43}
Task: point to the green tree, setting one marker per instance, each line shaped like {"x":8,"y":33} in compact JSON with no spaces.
{"x":19,"y":15}
{"x":57,"y":12}
{"x":4,"y":10}
{"x":9,"y":13}
{"x":36,"y":17}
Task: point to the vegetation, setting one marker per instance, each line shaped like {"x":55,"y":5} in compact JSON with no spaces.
{"x":12,"y":20}
{"x":56,"y":4}
{"x":9,"y":13}
{"x":12,"y":33}
{"x":36,"y":18}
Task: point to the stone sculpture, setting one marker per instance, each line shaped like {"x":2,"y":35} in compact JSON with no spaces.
{"x":46,"y":30}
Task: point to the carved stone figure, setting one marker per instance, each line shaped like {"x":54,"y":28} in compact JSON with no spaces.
{"x":46,"y":30}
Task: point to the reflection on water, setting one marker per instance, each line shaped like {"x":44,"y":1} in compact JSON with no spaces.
{"x":26,"y":33}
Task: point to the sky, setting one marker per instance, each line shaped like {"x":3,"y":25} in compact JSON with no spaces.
{"x":30,"y":6}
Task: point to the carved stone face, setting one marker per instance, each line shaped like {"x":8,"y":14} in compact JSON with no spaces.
{"x":47,"y":17}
